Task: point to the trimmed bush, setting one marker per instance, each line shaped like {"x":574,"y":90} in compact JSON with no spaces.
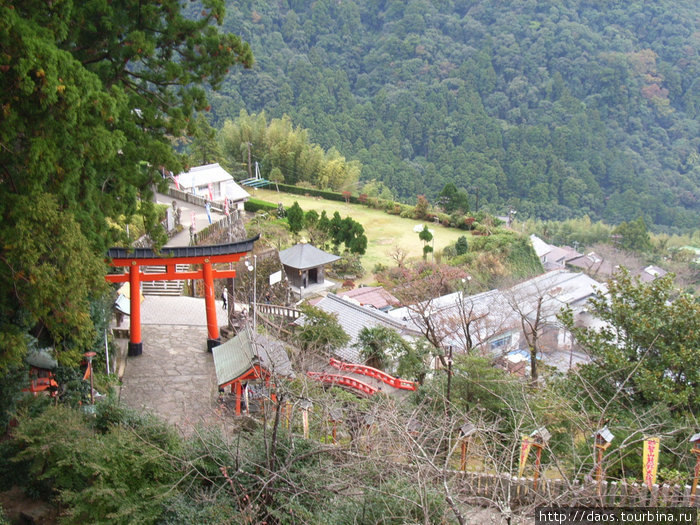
{"x":325,"y":194}
{"x":254,"y":205}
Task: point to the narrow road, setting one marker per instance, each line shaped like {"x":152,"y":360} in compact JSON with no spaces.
{"x":201,"y":220}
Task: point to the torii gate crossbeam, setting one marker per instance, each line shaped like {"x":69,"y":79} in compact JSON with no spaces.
{"x":134,"y":259}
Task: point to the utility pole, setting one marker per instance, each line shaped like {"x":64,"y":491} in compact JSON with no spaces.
{"x":250,"y":167}
{"x":89,"y":356}
{"x":231,"y":295}
{"x":449,"y":379}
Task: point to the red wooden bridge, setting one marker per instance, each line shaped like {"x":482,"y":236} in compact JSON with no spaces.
{"x":364,"y":370}
{"x":341,"y":380}
{"x":357,"y":385}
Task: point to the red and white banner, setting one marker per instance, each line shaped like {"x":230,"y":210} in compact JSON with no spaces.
{"x":176,"y":178}
{"x":226,"y":212}
{"x":193,"y":218}
{"x":211,"y":193}
{"x":650,"y":460}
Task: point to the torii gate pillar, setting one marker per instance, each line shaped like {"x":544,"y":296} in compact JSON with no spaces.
{"x":135,"y":343}
{"x":210,"y":305}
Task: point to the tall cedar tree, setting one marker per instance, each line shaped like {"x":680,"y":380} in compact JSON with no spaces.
{"x":91,"y":93}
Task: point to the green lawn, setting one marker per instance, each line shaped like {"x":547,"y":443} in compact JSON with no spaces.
{"x":384,"y":232}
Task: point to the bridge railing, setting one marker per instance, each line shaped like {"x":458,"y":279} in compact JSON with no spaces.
{"x":369,"y":371}
{"x":342,"y":380}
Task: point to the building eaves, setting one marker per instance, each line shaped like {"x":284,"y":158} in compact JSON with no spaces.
{"x":303,"y":256}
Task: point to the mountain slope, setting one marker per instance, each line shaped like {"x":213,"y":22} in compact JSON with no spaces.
{"x":555,"y":108}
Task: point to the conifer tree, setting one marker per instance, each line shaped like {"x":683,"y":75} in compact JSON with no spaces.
{"x":91,"y":94}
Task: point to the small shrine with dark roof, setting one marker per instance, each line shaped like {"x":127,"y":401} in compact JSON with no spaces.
{"x":304,"y":264}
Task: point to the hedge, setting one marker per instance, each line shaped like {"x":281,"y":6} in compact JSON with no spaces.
{"x":330,"y":195}
{"x":254,"y":205}
{"x":463,"y":222}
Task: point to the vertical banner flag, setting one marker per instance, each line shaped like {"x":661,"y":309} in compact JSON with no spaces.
{"x":524,"y":452}
{"x":650,"y":460}
{"x":177,"y":181}
{"x":208,"y":208}
{"x":226,"y":212}
{"x":211,"y":193}
{"x":192,"y":221}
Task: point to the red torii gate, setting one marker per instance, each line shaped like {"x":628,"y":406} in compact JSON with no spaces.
{"x":170,"y":257}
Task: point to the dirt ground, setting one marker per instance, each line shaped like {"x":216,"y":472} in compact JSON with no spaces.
{"x":21,"y":509}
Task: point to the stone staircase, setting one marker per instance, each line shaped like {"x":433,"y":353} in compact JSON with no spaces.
{"x":172,"y":288}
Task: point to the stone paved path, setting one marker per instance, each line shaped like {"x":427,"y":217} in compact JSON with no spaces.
{"x":163,"y":310}
{"x":174,"y":378}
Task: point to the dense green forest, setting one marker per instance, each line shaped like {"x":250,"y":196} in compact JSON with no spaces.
{"x":558,"y":109}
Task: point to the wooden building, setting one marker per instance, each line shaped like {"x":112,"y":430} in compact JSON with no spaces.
{"x":304,"y":265}
{"x":249,"y":364}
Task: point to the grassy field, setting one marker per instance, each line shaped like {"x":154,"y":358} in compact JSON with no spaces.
{"x":384,"y":232}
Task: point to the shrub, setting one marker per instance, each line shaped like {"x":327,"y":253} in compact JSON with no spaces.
{"x":295,"y":217}
{"x":462,"y":246}
{"x":254,"y":205}
{"x":444,"y":219}
{"x":393,"y":208}
{"x":88,"y":469}
{"x":375,"y":203}
{"x":379,"y":268}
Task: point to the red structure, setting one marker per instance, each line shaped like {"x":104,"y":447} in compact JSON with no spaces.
{"x":346,"y":381}
{"x":41,"y":376}
{"x":251,"y":358}
{"x":396,"y":382}
{"x":41,"y":380}
{"x":256,"y":373}
{"x":206,"y":256}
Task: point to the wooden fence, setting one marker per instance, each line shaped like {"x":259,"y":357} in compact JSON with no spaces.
{"x":193,"y":199}
{"x":491,"y":489}
{"x":287,"y":312}
{"x":213,"y":229}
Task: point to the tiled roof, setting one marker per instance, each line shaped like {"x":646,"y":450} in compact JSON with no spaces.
{"x":552,"y":257}
{"x":236,"y":356}
{"x":594,"y":263}
{"x":650,"y":273}
{"x":375,"y":296}
{"x":303,"y":256}
{"x":541,"y":248}
{"x":353,"y":318}
{"x":493,"y":311}
{"x":212,"y":174}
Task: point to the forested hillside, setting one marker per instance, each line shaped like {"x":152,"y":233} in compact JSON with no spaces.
{"x":555,"y":108}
